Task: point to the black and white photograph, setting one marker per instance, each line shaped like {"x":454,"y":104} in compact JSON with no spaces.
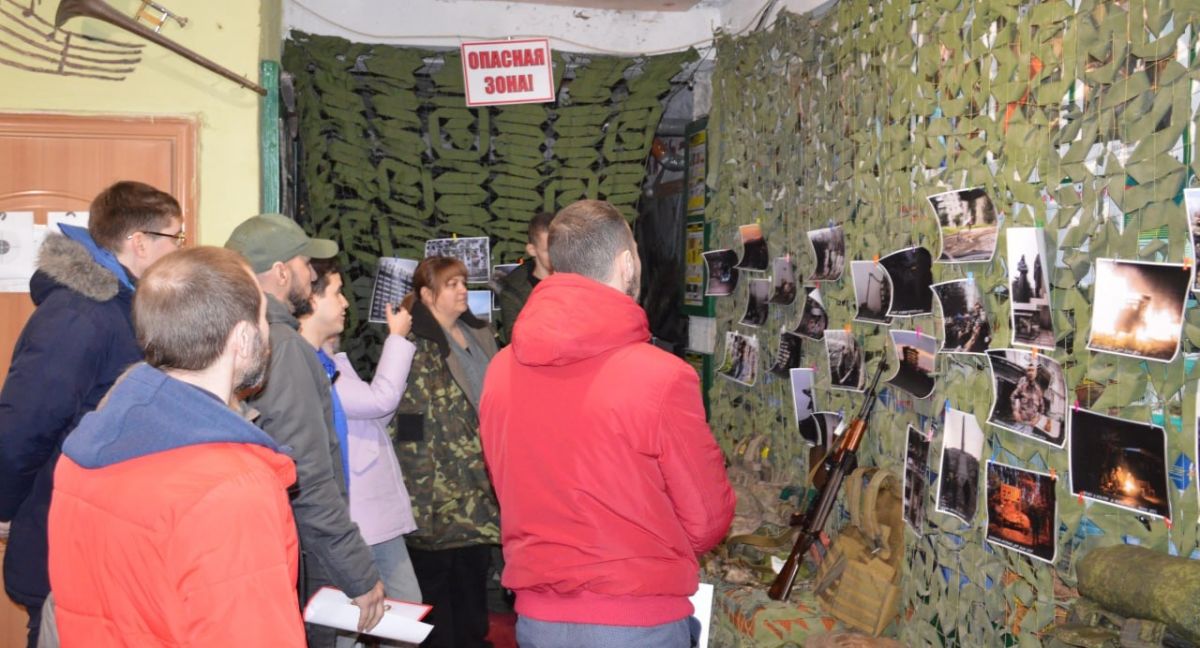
{"x":916,"y":479}
{"x":1119,"y":462}
{"x":788,"y":355}
{"x":783,"y":281}
{"x":480,"y":304}
{"x":473,"y":251}
{"x":910,"y":272}
{"x":1029,"y":395}
{"x":813,"y":318}
{"x":1022,"y":510}
{"x":824,"y":427}
{"x":754,"y":248}
{"x":845,"y":360}
{"x":968,"y":224}
{"x":741,"y":358}
{"x":829,"y":246}
{"x":393,"y":280}
{"x":1138,"y":308}
{"x":1029,"y":288}
{"x":915,"y":353}
{"x":499,"y":273}
{"x":958,"y":478}
{"x":757,"y":307}
{"x":872,"y":292}
{"x":722,"y":272}
{"x":966,"y":324}
{"x":1191,"y":206}
{"x":803,"y":405}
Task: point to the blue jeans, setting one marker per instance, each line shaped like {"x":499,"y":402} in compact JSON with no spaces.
{"x":532,"y":633}
{"x":399,"y":580}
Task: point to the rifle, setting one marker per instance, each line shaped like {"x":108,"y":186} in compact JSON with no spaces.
{"x":838,"y":463}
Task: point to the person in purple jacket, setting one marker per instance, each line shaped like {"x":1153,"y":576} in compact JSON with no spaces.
{"x":379,"y":502}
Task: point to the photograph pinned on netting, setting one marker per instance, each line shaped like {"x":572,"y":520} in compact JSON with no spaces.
{"x":958,"y":476}
{"x":916,"y":479}
{"x":754,"y":248}
{"x":783,"y":280}
{"x":829,"y":247}
{"x":788,"y":355}
{"x":480,"y":304}
{"x":915,"y":353}
{"x":813,"y":317}
{"x":1029,"y":286}
{"x":824,"y":427}
{"x":757,"y":307}
{"x":1029,"y":395}
{"x":1138,"y":308}
{"x":872,"y":292}
{"x":968,"y":224}
{"x":803,"y":404}
{"x":741,"y":358}
{"x":473,"y":251}
{"x":1191,"y":205}
{"x":393,"y":280}
{"x":910,"y":273}
{"x":1119,"y":462}
{"x":845,"y":357}
{"x":722,"y":272}
{"x":1022,"y":511}
{"x":966,"y":324}
{"x":500,"y":272}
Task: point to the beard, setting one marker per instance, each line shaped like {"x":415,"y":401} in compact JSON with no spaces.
{"x":297,"y":299}
{"x":251,"y":376}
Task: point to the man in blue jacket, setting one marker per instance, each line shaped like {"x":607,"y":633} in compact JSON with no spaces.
{"x":78,"y":341}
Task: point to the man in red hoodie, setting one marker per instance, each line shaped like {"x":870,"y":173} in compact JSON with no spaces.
{"x":609,"y":481}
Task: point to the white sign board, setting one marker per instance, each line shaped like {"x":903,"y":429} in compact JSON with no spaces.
{"x":508,"y":72}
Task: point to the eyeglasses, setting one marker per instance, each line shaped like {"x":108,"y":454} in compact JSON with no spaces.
{"x":179,"y":238}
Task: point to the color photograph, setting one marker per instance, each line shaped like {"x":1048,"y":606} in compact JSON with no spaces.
{"x":803,"y":405}
{"x":1030,"y":288}
{"x":958,"y":478}
{"x":915,"y":354}
{"x":1119,"y":462}
{"x":916,"y":479}
{"x":1138,"y":308}
{"x":783,"y":281}
{"x":473,"y":251}
{"x":722,"y":273}
{"x":741,"y":358}
{"x":754,"y":248}
{"x":845,"y":360}
{"x":788,"y":355}
{"x":1029,"y":395}
{"x":1021,"y":511}
{"x":872,"y":292}
{"x":757,"y":307}
{"x":966,"y":325}
{"x":910,"y":272}
{"x":967,"y":222}
{"x":1191,"y":205}
{"x":829,"y":246}
{"x":813,"y":318}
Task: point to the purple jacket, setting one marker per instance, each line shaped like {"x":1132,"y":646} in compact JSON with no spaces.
{"x":378,"y":499}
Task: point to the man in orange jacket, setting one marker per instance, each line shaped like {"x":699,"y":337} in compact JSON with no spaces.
{"x":169,"y":521}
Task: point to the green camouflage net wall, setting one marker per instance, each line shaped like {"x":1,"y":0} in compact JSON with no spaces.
{"x":392,"y":157}
{"x":854,"y":117}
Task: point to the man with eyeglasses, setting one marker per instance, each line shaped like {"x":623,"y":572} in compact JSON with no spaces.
{"x":79,"y":339}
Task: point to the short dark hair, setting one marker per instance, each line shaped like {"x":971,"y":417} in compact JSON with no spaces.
{"x":323,"y":269}
{"x":538,"y":224}
{"x":128,"y":207}
{"x":586,"y":236}
{"x":188,"y":303}
{"x":433,"y":273}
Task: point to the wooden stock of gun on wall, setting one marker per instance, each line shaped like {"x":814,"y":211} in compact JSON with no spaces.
{"x":838,"y":463}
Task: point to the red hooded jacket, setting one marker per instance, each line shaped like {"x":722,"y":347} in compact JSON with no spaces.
{"x":609,"y":480}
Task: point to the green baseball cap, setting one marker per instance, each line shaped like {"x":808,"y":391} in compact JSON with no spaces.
{"x":269,"y":238}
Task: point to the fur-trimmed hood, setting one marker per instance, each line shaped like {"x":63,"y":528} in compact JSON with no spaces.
{"x":64,"y":263}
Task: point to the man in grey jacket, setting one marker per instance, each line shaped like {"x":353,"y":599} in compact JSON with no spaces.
{"x":296,"y":410}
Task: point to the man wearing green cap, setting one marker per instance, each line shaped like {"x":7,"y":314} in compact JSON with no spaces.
{"x":296,"y":409}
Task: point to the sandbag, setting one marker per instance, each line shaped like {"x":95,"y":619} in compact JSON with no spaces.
{"x":1137,"y":582}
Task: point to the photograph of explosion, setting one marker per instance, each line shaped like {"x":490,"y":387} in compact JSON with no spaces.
{"x":845,"y":360}
{"x":813,"y":319}
{"x":915,"y":352}
{"x":1021,"y":511}
{"x":1191,"y":205}
{"x":804,"y":406}
{"x":967,"y":222}
{"x":1119,"y":462}
{"x":829,"y":246}
{"x":1030,"y":288}
{"x":754,"y":248}
{"x":910,"y":272}
{"x":722,"y":275}
{"x":916,"y":479}
{"x":1029,"y":395}
{"x":966,"y":325}
{"x":1138,"y":308}
{"x":872,"y":292}
{"x":958,"y":480}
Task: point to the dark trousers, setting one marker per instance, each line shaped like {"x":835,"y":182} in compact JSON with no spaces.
{"x":35,"y":624}
{"x":454,"y":582}
{"x":312,"y":578}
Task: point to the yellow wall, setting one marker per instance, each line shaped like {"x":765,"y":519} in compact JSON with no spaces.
{"x":231,"y":33}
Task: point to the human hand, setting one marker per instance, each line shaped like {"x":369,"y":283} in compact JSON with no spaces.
{"x":399,"y":320}
{"x":370,"y":607}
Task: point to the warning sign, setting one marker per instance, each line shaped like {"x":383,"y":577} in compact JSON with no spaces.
{"x":508,"y":72}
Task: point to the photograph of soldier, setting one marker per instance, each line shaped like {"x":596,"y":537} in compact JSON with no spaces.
{"x":741,"y":358}
{"x":1029,"y":395}
{"x":872,"y":292}
{"x":473,"y":251}
{"x":966,"y":325}
{"x":1021,"y":511}
{"x":756,"y":302}
{"x":813,"y":318}
{"x":916,"y":479}
{"x":967,"y":222}
{"x":393,"y":280}
{"x":910,"y":272}
{"x":754,"y":248}
{"x":1119,"y":462}
{"x":803,"y":405}
{"x":829,"y":246}
{"x":722,"y":275}
{"x":788,"y":356}
{"x":1138,"y":308}
{"x":783,"y":280}
{"x":915,"y":354}
{"x":1191,"y":205}
{"x":845,"y":360}
{"x":1029,"y":288}
{"x":958,"y":478}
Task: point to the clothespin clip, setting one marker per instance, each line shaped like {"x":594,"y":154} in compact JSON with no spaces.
{"x":1187,"y":264}
{"x":876,"y":259}
{"x":521,"y":261}
{"x":1076,"y":406}
{"x":971,"y":277}
{"x":1035,"y":354}
{"x":454,"y":236}
{"x":1167,"y":521}
{"x":1053,"y":474}
{"x":847,"y":327}
{"x":918,"y":329}
{"x":1081,"y":497}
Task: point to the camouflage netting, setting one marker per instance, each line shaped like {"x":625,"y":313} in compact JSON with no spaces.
{"x":854,"y":117}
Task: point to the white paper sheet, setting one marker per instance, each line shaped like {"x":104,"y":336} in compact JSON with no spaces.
{"x":18,"y":250}
{"x":402,"y":621}
{"x":702,"y":600}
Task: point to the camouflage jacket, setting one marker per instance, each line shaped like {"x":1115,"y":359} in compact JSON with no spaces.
{"x":436,"y":436}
